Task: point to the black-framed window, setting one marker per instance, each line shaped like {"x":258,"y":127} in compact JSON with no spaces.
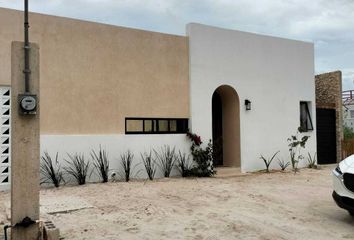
{"x":134,"y":125}
{"x":305,"y":117}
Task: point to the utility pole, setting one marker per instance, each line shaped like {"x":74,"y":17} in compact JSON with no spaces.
{"x":25,"y":137}
{"x":27,"y":70}
{"x":28,"y":102}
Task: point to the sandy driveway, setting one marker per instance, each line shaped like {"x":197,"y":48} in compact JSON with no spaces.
{"x":253,"y":206}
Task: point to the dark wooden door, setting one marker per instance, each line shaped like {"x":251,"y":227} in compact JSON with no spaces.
{"x":326,"y":136}
{"x":217,"y":130}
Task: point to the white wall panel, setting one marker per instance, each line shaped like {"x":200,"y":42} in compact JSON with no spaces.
{"x":115,"y":146}
{"x":274,"y":73}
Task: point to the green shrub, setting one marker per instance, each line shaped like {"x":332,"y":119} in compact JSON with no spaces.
{"x":202,"y":157}
{"x":347,"y":132}
{"x":295,"y":145}
{"x":204,"y":160}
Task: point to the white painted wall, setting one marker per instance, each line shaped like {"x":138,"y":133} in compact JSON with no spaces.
{"x":115,"y":146}
{"x":274,"y":73}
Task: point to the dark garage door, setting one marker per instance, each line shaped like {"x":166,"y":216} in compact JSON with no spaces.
{"x":326,"y":136}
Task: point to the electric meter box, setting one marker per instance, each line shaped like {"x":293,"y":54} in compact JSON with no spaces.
{"x":27,"y":104}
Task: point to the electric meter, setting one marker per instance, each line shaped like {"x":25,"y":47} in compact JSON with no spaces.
{"x":28,"y":104}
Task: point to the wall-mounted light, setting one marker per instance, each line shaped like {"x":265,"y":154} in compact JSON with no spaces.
{"x":248,"y":104}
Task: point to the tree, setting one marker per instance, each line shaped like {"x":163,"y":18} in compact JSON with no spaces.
{"x":348,"y":133}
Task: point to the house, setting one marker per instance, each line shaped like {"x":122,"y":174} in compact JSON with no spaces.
{"x":132,"y":89}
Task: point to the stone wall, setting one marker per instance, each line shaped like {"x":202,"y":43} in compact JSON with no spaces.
{"x":329,"y":95}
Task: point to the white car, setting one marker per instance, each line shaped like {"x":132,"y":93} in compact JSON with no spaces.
{"x":343,"y":184}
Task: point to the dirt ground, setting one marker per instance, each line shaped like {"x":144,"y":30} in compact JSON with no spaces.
{"x":249,"y":206}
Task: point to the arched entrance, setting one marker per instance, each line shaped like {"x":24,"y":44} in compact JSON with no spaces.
{"x":226,"y":127}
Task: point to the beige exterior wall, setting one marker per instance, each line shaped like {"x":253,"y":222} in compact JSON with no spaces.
{"x":94,"y":75}
{"x":329,"y":95}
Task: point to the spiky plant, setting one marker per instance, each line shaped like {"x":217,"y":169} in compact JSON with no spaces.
{"x":126,"y":162}
{"x":101,"y":163}
{"x":51,"y":170}
{"x":312,"y":160}
{"x":149,"y":164}
{"x":184,"y":164}
{"x":77,"y":167}
{"x":166,"y":159}
{"x":283,"y":165}
{"x":268,"y":161}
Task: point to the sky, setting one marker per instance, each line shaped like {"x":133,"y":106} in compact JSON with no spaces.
{"x":329,"y":24}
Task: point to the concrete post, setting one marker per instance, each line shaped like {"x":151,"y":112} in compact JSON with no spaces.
{"x":25,"y":147}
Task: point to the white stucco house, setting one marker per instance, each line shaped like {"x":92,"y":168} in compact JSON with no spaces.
{"x":274,"y":74}
{"x":132,"y":89}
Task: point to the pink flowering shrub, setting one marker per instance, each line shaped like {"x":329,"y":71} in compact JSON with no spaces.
{"x":194,"y":138}
{"x":202,"y":157}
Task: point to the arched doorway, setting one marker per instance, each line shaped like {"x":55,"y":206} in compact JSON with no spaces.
{"x":226,"y":127}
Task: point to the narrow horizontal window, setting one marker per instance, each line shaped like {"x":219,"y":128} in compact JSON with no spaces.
{"x":173,"y":125}
{"x":182,"y":125}
{"x":134,"y":126}
{"x":148,"y":126}
{"x":163,"y":125}
{"x":156,"y":125}
{"x":305,"y":117}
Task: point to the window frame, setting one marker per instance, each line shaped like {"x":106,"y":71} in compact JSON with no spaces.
{"x":155,"y":125}
{"x":306,"y":128}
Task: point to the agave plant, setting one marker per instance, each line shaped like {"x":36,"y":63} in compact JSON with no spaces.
{"x":268,"y":161}
{"x":51,"y":170}
{"x":77,"y":167}
{"x":126,"y":162}
{"x":166,"y":158}
{"x":101,"y":163}
{"x":184,"y":164}
{"x":312,"y":160}
{"x":283,"y":165}
{"x":149,"y":164}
